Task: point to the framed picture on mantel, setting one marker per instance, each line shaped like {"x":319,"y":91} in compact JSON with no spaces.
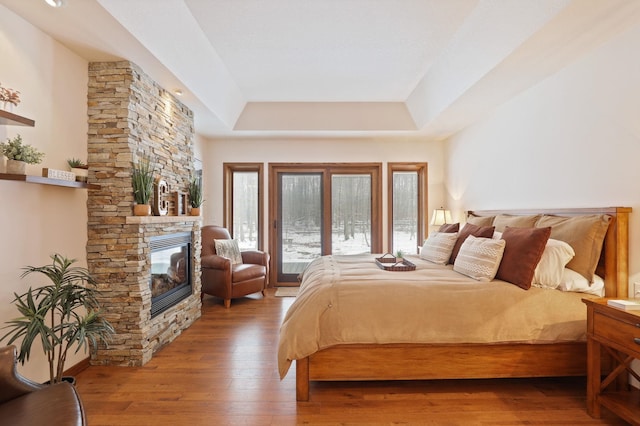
{"x":180,"y":202}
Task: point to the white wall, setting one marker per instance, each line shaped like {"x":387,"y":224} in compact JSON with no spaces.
{"x":571,"y":141}
{"x":320,"y":150}
{"x":39,"y":220}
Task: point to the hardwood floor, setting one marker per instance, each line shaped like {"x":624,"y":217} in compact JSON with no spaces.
{"x":223,"y":370}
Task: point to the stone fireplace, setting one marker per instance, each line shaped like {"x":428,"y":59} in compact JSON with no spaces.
{"x":131,"y":116}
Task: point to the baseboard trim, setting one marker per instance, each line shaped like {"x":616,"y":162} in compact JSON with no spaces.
{"x":77,"y":368}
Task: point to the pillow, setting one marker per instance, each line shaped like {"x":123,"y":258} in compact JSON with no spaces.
{"x":437,"y":248}
{"x":522,"y":252}
{"x":479,"y":258}
{"x":480,"y":220}
{"x":470,"y":229}
{"x":449,"y":227}
{"x":230,"y":249}
{"x":556,"y":255}
{"x":503,"y":220}
{"x":585,"y":234}
{"x":573,"y":281}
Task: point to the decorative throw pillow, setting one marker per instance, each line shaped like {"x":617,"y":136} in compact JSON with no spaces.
{"x":470,"y":229}
{"x":503,"y":220}
{"x":523,"y":250}
{"x":556,"y":255}
{"x":437,"y":248}
{"x":585,"y":234}
{"x":479,"y":258}
{"x":230,"y":249}
{"x":449,"y":227}
{"x":480,"y":220}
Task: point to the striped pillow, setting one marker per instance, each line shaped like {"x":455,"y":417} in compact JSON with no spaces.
{"x":479,"y":258}
{"x":438,"y":247}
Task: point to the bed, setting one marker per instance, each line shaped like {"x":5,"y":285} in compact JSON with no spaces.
{"x":414,"y":352}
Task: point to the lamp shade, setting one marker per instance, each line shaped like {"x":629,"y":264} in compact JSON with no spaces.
{"x":440,"y":217}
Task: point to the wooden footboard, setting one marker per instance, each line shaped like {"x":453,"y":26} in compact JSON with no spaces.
{"x":422,"y":362}
{"x":433,"y":361}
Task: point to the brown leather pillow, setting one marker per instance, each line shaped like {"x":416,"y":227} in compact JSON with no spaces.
{"x":521,"y":255}
{"x":449,"y":228}
{"x":470,"y":229}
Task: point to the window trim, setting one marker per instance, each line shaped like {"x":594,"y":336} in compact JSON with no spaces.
{"x":421,"y":169}
{"x":227,"y":205}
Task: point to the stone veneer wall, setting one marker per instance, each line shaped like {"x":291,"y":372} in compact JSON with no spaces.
{"x":131,"y":116}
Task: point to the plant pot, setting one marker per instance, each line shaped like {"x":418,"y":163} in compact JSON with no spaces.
{"x":16,"y":167}
{"x":195,"y":211}
{"x":81,"y":174}
{"x":142,"y":210}
{"x":68,"y":379}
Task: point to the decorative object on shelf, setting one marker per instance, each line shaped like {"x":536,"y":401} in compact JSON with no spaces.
{"x":18,"y":155}
{"x":142,"y":181}
{"x":180,"y":202}
{"x":58,"y":174}
{"x":79,"y":169}
{"x":195,"y":196}
{"x":399,"y":256}
{"x":160,"y":192}
{"x":60,"y":315}
{"x":9,"y":97}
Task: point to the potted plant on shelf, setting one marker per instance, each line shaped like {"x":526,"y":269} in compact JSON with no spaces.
{"x":60,"y":315}
{"x":79,"y":168}
{"x":19,"y":155}
{"x":195,"y":196}
{"x":142,"y":181}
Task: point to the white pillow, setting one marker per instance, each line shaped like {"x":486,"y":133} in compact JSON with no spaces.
{"x":556,"y":255}
{"x":479,"y":258}
{"x":573,"y":281}
{"x":230,"y":249}
{"x":438,"y":246}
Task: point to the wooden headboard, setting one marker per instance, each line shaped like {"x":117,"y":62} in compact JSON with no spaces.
{"x":614,"y":260}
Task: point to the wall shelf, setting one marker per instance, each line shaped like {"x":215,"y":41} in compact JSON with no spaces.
{"x":47,"y":181}
{"x":10,"y":118}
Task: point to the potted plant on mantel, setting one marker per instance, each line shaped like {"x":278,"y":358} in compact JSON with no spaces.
{"x":62,"y":314}
{"x":19,"y":155}
{"x":142,"y":181}
{"x":195,"y":196}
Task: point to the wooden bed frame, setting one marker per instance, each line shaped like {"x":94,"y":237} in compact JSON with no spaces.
{"x":465,"y":361}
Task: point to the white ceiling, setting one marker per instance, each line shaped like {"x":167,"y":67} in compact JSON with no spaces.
{"x":336,"y":67}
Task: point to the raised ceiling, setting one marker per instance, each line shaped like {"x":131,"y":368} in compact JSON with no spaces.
{"x":336,"y":67}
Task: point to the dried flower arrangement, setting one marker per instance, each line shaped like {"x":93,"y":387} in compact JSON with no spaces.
{"x":9,"y":95}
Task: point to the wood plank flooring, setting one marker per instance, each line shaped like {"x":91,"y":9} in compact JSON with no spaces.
{"x":223,"y":370}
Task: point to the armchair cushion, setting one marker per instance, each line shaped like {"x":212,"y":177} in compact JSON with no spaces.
{"x":244,"y":272}
{"x":230,"y":249}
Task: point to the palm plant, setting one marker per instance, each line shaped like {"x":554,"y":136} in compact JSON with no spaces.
{"x":62,"y":314}
{"x":142,"y":181}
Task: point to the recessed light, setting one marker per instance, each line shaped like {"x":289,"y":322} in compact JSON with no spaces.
{"x":178,"y":92}
{"x":55,"y":3}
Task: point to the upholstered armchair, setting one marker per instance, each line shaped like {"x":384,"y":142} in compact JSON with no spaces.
{"x":222,"y":278}
{"x":23,"y":402}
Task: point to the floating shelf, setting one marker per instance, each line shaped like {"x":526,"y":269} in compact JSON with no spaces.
{"x":47,"y":181}
{"x":10,"y":118}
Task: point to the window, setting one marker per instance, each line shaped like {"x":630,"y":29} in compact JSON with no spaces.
{"x":243,"y":203}
{"x":318,"y":209}
{"x":407,"y":191}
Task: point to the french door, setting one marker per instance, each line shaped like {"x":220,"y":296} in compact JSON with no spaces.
{"x":319,"y":209}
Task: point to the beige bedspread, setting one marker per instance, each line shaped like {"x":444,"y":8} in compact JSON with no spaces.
{"x":348,"y":299}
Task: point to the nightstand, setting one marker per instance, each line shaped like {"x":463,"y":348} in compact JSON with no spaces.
{"x":614,"y":332}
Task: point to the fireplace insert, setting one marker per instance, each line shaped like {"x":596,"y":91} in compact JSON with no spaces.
{"x":170,"y":270}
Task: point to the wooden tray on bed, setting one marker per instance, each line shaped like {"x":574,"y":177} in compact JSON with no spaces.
{"x":389,"y":262}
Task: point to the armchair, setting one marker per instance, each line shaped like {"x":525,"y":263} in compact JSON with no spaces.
{"x":23,"y":402}
{"x":223,"y":279}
